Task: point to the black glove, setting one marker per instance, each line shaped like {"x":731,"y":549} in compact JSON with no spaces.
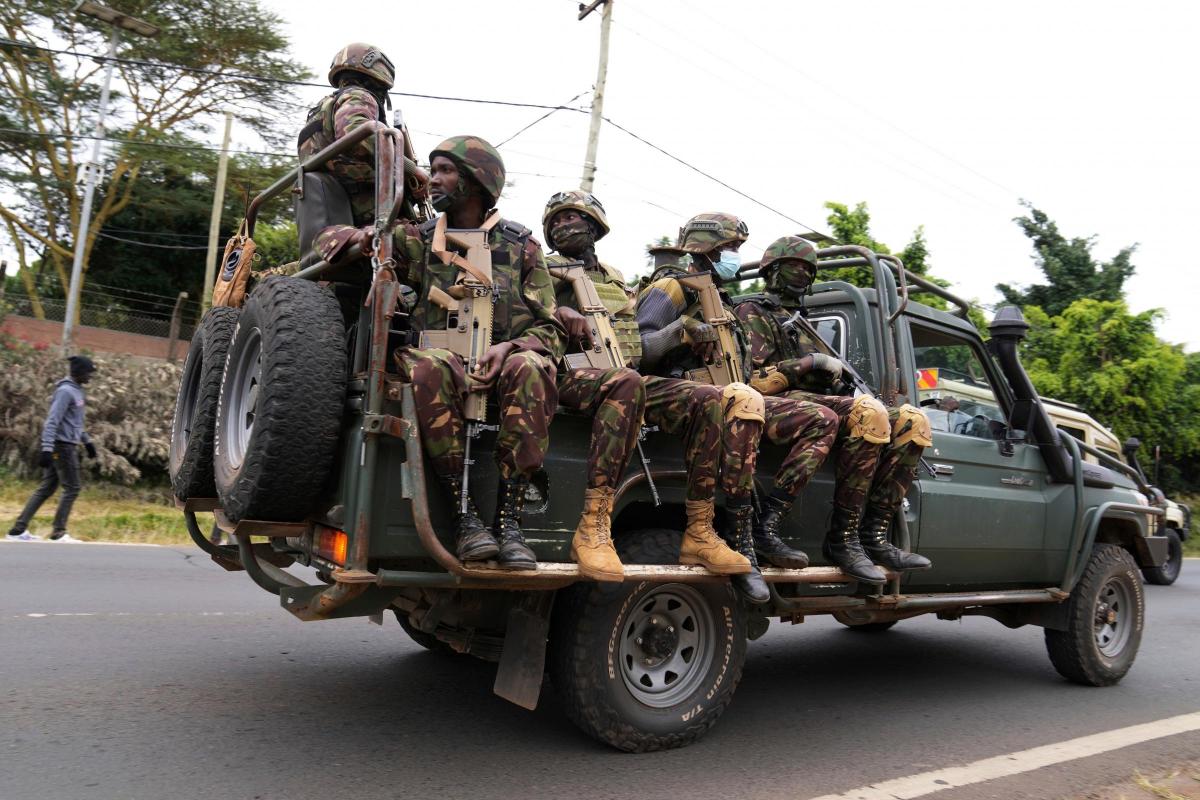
{"x":90,"y":448}
{"x":46,"y":459}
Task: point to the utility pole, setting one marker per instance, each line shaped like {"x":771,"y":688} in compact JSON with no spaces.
{"x":589,"y":161}
{"x":214,"y":222}
{"x":118,"y":21}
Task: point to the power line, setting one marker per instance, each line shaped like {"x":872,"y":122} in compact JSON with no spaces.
{"x":151,"y":244}
{"x":284,"y":81}
{"x":711,"y":177}
{"x":539,"y":119}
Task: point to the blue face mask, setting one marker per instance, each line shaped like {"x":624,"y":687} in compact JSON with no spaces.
{"x":728,"y":265}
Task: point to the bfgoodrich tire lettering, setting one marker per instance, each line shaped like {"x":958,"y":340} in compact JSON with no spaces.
{"x":651,"y":694}
{"x":281,"y":402}
{"x":190,"y":462}
{"x":1106,"y":615}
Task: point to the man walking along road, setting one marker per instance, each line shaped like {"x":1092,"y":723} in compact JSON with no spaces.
{"x":61,"y":436}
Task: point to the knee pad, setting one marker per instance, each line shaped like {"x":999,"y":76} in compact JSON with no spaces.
{"x":769,"y":381}
{"x":742,"y":402}
{"x":911,"y":426}
{"x":868,"y":419}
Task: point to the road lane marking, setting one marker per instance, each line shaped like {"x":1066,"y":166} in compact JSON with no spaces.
{"x":1022,"y":761}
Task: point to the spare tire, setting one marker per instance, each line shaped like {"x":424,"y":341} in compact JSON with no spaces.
{"x":190,"y":462}
{"x":281,"y":402}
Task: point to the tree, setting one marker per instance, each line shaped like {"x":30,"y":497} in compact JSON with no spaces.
{"x":212,"y":55}
{"x":1072,"y":273}
{"x":1103,"y":357}
{"x":853,"y":226}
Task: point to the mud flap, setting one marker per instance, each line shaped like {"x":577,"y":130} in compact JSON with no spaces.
{"x":523,"y":660}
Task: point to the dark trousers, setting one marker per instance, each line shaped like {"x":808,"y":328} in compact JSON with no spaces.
{"x":65,"y":471}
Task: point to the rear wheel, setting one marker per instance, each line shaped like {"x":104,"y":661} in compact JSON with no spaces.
{"x":647,"y":666}
{"x":1168,"y":573}
{"x":190,"y":461}
{"x":281,"y":402}
{"x":426,"y":640}
{"x":1106,"y":615}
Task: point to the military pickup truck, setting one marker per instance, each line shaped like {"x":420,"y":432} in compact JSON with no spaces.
{"x":293,"y":431}
{"x":959,"y":402}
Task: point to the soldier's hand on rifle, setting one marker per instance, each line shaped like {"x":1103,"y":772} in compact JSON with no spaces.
{"x":576,"y":325}
{"x":827,"y":364}
{"x":418,"y":183}
{"x":702,"y":337}
{"x":489,"y":365}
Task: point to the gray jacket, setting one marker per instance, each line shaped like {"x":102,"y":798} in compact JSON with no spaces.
{"x":64,"y":423}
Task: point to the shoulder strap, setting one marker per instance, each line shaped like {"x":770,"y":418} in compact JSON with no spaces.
{"x":514,"y":232}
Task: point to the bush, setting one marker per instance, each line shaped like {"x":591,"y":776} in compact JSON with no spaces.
{"x":130,"y":403}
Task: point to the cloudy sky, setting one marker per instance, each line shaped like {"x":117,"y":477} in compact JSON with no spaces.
{"x":942,"y":114}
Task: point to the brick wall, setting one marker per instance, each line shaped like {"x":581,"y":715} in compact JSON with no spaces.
{"x":96,"y":340}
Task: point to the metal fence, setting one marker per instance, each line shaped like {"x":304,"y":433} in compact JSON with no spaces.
{"x":147,"y":314}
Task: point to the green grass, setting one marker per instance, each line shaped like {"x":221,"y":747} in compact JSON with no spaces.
{"x":103,"y":513}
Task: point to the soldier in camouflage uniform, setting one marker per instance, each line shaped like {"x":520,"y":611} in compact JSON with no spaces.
{"x":519,"y":367}
{"x":362,"y":76}
{"x":675,"y":339}
{"x":878,"y":448}
{"x":572,"y":223}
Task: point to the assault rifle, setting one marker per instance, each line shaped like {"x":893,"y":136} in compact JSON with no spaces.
{"x":728,"y":366}
{"x":605,"y":350}
{"x":796,"y":323}
{"x":469,"y":306}
{"x":770,"y":381}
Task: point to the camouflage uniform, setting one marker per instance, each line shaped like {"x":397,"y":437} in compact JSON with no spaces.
{"x":362,"y":75}
{"x":523,"y":314}
{"x":670,"y":320}
{"x":807,"y":429}
{"x":873,"y":468}
{"x":675,"y":407}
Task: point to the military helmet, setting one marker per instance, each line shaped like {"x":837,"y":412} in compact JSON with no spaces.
{"x":365,"y":59}
{"x":477,"y":158}
{"x":788,"y":247}
{"x":583,"y":202}
{"x":704,"y":233}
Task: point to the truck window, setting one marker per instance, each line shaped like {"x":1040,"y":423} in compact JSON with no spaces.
{"x":953,"y":386}
{"x":1078,"y":433}
{"x":832,"y":330}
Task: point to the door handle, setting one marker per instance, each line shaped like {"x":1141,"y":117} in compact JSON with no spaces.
{"x":943,"y":469}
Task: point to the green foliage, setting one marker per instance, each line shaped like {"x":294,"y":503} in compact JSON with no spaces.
{"x":47,"y":98}
{"x":277,"y":244}
{"x":853,"y":226}
{"x":1072,"y":273}
{"x":1103,"y":357}
{"x":130,"y":406}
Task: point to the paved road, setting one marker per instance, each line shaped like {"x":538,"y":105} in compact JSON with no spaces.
{"x":154,"y":673}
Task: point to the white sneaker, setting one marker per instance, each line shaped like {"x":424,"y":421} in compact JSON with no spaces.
{"x":23,"y":536}
{"x":66,"y":537}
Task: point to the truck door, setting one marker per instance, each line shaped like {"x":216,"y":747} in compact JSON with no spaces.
{"x":981,"y":514}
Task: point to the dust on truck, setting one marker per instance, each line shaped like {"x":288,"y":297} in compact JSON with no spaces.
{"x":294,"y":433}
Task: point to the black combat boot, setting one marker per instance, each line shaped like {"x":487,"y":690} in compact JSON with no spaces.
{"x":874,"y":538}
{"x":767,"y":543}
{"x":751,"y":585}
{"x":474,"y":541}
{"x":514,"y":553}
{"x":843,"y":548}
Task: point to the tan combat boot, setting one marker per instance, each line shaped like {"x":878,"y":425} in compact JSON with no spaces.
{"x":592,"y":548}
{"x":702,"y":546}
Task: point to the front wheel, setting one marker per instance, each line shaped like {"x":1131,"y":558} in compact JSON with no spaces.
{"x":1106,"y":615}
{"x":647,"y":666}
{"x":1168,"y":573}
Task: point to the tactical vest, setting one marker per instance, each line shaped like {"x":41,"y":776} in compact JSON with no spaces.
{"x":354,"y":174}
{"x":507,"y":241}
{"x":611,"y":289}
{"x":788,"y":343}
